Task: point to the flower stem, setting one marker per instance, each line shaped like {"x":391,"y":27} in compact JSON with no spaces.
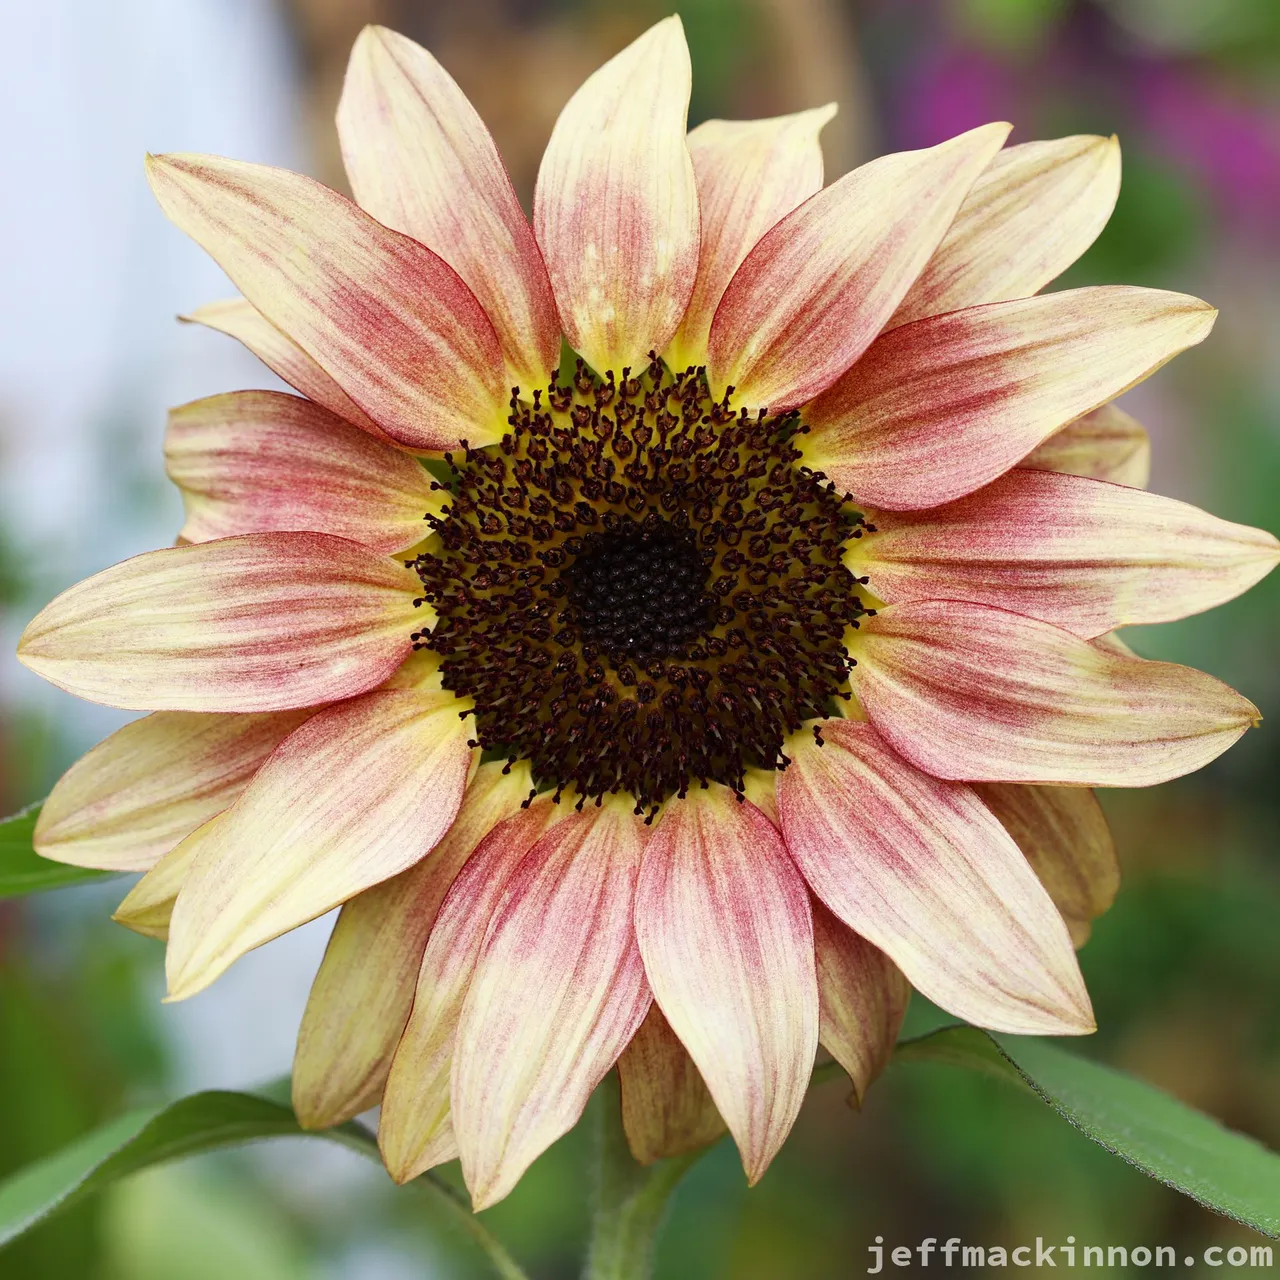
{"x":630,"y":1200}
{"x":504,"y":1265}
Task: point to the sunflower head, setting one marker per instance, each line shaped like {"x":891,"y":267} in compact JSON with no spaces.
{"x":742,"y":677}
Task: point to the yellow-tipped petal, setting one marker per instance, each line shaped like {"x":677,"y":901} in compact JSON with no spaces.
{"x":1064,"y":835}
{"x":922,"y":869}
{"x":361,"y":997}
{"x":726,"y":932}
{"x":814,"y":292}
{"x":616,"y":205}
{"x":667,"y":1109}
{"x":126,"y":803}
{"x":750,"y":174}
{"x":1035,"y":209}
{"x":262,"y":462}
{"x":383,"y":779}
{"x":421,"y":161}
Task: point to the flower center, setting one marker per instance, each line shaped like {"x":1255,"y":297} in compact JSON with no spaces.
{"x":640,"y":588}
{"x":640,"y":593}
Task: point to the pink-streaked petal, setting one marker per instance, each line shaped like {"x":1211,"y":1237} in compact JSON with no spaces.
{"x":262,"y":462}
{"x":1065,"y":837}
{"x":750,"y":174}
{"x":937,"y":408}
{"x":1032,"y":213}
{"x":357,"y":794}
{"x":969,"y":692}
{"x":814,"y":292}
{"x":415,"y":1130}
{"x":922,"y":869}
{"x":1083,"y":554}
{"x":361,"y":997}
{"x":387,"y":319}
{"x":126,"y":803}
{"x":726,"y":932}
{"x":862,"y":999}
{"x":421,"y":161}
{"x":558,"y":992}
{"x":1107,"y":444}
{"x":239,"y":319}
{"x":616,"y":205}
{"x":667,"y":1109}
{"x":263,"y":622}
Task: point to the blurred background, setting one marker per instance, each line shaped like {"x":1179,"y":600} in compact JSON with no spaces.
{"x":1185,"y":970}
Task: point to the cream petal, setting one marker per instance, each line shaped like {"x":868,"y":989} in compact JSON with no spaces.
{"x":814,"y":292}
{"x":362,"y":995}
{"x":938,"y":408}
{"x":1083,"y":554}
{"x":726,"y":932}
{"x":262,"y":462}
{"x":750,"y":174}
{"x":357,"y":794}
{"x":415,"y":1131}
{"x":1107,"y":444}
{"x":862,"y":999}
{"x":263,"y":622}
{"x":1065,"y":837}
{"x":239,"y":319}
{"x":667,"y":1109}
{"x":970,"y":692}
{"x":1031,"y":214}
{"x":148,"y":907}
{"x":557,"y":994}
{"x":922,"y":869}
{"x":616,"y":205}
{"x":386,"y":318}
{"x":126,"y":803}
{"x":420,"y":160}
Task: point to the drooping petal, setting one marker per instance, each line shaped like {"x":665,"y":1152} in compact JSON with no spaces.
{"x":937,"y":408}
{"x":1064,"y":835}
{"x":415,"y":1130}
{"x":359,"y":793}
{"x":239,"y":319}
{"x":970,"y":692}
{"x":862,"y":999}
{"x":750,"y":174}
{"x":558,"y":992}
{"x":148,"y":907}
{"x":127,"y":802}
{"x":818,"y":287}
{"x":922,"y":869}
{"x":420,"y":160}
{"x":386,"y":318}
{"x":361,"y":997}
{"x":667,"y":1109}
{"x":726,"y":932}
{"x":1031,"y":214}
{"x":263,"y":622}
{"x":1083,"y":554}
{"x":1106,"y":444}
{"x":616,"y":205}
{"x":262,"y":462}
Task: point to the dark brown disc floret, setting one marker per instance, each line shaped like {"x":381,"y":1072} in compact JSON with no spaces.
{"x":639,"y":588}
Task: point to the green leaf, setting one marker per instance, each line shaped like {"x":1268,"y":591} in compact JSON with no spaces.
{"x":199,"y":1123}
{"x":23,"y":870}
{"x":1224,"y":1171}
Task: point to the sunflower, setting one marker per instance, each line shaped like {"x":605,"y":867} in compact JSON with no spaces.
{"x":751,"y":665}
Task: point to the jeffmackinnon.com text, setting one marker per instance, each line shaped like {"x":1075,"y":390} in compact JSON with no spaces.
{"x":954,"y":1254}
